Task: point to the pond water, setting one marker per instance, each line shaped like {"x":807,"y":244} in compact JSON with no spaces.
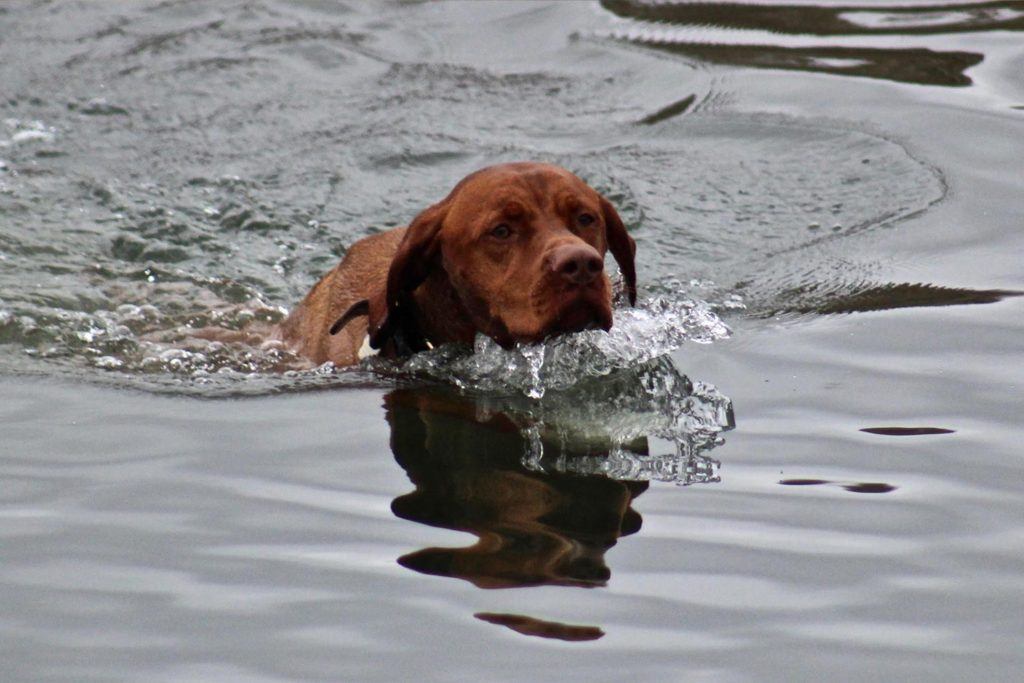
{"x":798,"y":458}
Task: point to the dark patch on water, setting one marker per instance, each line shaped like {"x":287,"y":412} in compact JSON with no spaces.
{"x":856,"y":487}
{"x":920,"y":65}
{"x":907,"y":431}
{"x":833,"y":298}
{"x":839,"y":20}
{"x":869,"y":487}
{"x":669,"y":111}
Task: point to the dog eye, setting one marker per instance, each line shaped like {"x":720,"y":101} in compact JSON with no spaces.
{"x":501,"y":231}
{"x":585,"y":219}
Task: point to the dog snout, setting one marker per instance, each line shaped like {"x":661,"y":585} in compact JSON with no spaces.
{"x":577,"y":264}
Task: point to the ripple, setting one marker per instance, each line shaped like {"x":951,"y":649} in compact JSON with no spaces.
{"x":806,"y":37}
{"x":220,"y":212}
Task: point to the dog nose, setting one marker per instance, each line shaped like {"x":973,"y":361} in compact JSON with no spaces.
{"x":578,"y":264}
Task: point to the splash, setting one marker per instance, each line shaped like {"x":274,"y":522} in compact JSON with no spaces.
{"x":613,"y":428}
{"x":657,"y":327}
{"x":220,"y":352}
{"x":27,"y":131}
{"x":593,"y":403}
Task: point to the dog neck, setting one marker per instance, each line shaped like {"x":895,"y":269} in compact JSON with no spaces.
{"x":441,"y":314}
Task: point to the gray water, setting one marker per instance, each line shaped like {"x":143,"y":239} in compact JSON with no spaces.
{"x":822,"y":479}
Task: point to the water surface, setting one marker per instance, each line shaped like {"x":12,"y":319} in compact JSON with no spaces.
{"x":822,"y":479}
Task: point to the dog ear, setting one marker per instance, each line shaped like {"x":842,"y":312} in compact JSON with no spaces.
{"x":622,"y":246}
{"x":391,"y":317}
{"x":359,"y":308}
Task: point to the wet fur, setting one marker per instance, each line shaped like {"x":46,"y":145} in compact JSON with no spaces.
{"x":440,"y":279}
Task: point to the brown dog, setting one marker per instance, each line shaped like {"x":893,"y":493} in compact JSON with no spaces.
{"x":515,"y":251}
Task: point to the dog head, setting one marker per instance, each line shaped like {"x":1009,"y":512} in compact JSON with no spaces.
{"x":517,"y":249}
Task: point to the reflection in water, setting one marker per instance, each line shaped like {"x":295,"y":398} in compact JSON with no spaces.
{"x":546,"y":486}
{"x":530,"y":626}
{"x":907,"y":431}
{"x":838,"y":20}
{"x":790,"y":36}
{"x":906,"y":65}
{"x":831,"y":298}
{"x":533,"y":528}
{"x":851,"y":486}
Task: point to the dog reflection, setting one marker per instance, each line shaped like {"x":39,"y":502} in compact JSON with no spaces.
{"x":533,"y":528}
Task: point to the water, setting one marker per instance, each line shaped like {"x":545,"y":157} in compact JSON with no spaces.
{"x":822,"y":477}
